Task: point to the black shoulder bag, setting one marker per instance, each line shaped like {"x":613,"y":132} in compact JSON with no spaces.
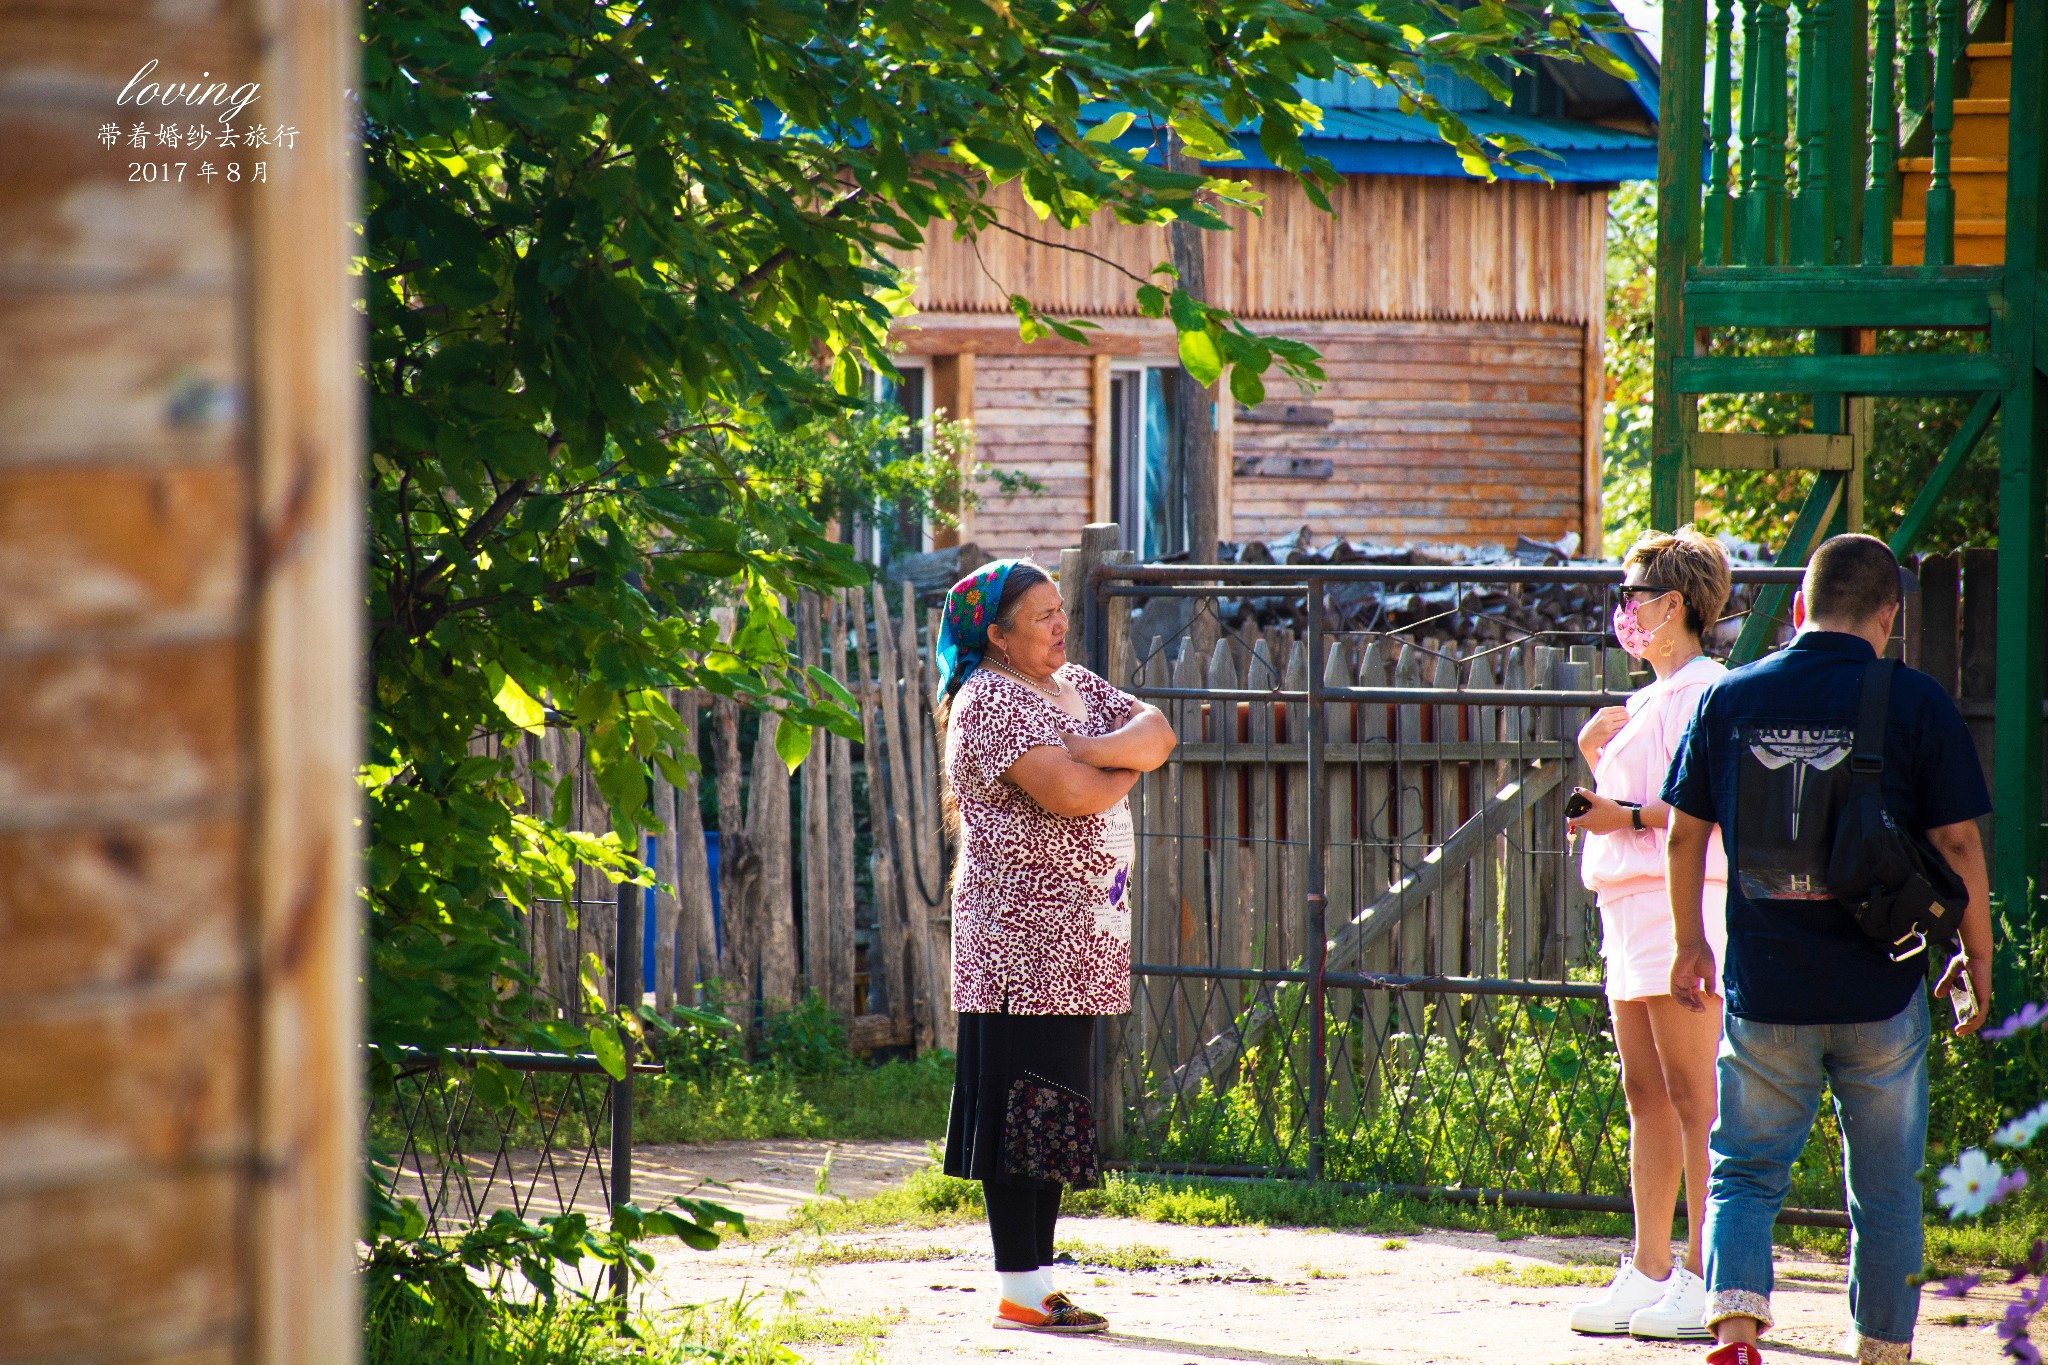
{"x":1900,"y":889}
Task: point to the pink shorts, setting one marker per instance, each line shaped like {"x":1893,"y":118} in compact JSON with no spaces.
{"x":1637,"y":941}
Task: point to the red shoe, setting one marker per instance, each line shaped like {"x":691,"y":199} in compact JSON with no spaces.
{"x":1735,"y":1353}
{"x":1059,"y":1316}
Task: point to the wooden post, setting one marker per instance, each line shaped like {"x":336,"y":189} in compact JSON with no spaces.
{"x":2021,"y":849}
{"x":698,"y":930}
{"x":819,"y":966}
{"x":1593,"y":377}
{"x":839,"y":783}
{"x":885,"y":965}
{"x":663,"y":893}
{"x":1194,"y":405}
{"x":1100,"y":502}
{"x":180,"y":610}
{"x":1678,"y":194}
{"x":768,"y":832}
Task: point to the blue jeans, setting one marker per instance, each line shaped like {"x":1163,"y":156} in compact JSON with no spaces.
{"x":1770,"y":1078}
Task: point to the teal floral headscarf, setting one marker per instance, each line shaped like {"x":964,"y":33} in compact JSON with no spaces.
{"x":963,"y":633}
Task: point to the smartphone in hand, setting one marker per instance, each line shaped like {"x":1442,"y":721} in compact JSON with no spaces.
{"x":1963,"y":998}
{"x":1578,"y":804}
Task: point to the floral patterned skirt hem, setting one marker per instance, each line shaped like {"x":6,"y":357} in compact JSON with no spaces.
{"x":995,"y":1051}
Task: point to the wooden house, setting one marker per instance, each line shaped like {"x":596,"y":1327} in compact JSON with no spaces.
{"x":1460,"y":324}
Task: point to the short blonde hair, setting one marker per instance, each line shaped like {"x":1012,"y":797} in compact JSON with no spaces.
{"x":1693,"y":565}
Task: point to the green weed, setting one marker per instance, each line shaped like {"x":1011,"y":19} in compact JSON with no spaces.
{"x":1542,"y":1275}
{"x":868,"y":1253}
{"x":1134,"y":1257}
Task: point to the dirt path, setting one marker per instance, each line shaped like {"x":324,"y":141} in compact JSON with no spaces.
{"x":1178,"y":1295}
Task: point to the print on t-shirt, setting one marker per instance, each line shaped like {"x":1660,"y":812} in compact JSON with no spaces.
{"x":1790,"y":781}
{"x":1113,"y":909}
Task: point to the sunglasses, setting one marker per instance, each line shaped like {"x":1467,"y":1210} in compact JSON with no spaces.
{"x":1625,"y":591}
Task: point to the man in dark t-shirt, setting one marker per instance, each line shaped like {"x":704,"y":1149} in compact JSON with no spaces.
{"x":1810,"y":996}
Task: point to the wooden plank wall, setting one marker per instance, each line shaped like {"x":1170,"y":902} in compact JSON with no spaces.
{"x":1035,"y":414}
{"x":1400,"y":247}
{"x":1460,"y":324}
{"x":1461,"y":432}
{"x":180,"y":642}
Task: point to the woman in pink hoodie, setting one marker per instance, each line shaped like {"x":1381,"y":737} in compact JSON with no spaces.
{"x":1673,"y":590}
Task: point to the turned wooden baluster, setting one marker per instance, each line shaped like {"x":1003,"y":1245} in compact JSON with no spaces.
{"x":1809,"y":228}
{"x":1756,"y":221}
{"x":1941,"y":196}
{"x":1916,"y":55}
{"x":1774,"y":17}
{"x":1714,"y":230}
{"x":1884,"y":140}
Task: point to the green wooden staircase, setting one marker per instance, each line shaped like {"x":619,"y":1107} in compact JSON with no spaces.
{"x":1846,"y":172}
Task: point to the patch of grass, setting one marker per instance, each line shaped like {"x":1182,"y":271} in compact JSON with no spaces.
{"x":834,"y":1329}
{"x":867,"y":1253}
{"x":1394,"y":1244}
{"x":1135,"y":1257}
{"x":1542,"y":1275}
{"x":926,"y":1199}
{"x":895,"y":1100}
{"x":1953,"y":1320}
{"x":400,"y":1330}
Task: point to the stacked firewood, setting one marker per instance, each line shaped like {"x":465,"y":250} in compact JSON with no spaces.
{"x":1561,"y":612}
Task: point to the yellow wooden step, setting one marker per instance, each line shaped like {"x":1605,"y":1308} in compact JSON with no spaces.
{"x":1978,"y":241}
{"x":1990,"y":70}
{"x":1980,"y":127}
{"x":1978,"y":182}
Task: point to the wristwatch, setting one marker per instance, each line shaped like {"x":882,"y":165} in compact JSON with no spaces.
{"x":1635,"y":814}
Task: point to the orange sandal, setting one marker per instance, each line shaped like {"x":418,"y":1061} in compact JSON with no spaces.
{"x":1059,"y":1315}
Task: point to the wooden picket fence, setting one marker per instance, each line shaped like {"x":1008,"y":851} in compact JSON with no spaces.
{"x":833,"y":879}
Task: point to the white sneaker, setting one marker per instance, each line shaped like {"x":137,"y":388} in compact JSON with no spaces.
{"x":1629,"y":1292}
{"x":1676,"y":1316}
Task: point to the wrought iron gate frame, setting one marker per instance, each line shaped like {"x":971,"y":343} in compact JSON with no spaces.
{"x":1109,"y":580}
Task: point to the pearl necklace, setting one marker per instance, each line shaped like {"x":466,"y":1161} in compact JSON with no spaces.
{"x":1058,"y":689}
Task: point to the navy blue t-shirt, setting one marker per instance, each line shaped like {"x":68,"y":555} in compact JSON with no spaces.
{"x":1767,"y":759}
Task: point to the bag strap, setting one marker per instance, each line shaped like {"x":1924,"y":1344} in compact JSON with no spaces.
{"x":1866,"y":761}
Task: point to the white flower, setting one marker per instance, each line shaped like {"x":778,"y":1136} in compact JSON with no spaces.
{"x":2022,"y":1131}
{"x":1968,"y":1187}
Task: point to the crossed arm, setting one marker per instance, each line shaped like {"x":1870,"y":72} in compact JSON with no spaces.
{"x":1088,"y":775}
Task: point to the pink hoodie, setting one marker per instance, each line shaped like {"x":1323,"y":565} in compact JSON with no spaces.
{"x":1632,"y":768}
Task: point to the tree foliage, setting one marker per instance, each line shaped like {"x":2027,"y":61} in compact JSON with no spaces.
{"x":621,"y":260}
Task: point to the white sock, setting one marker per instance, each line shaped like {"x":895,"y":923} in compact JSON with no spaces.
{"x":1026,"y":1288}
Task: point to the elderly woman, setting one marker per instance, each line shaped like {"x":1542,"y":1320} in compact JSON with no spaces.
{"x":1040,"y":755}
{"x":1672,"y":591}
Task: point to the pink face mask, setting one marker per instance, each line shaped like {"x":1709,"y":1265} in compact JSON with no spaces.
{"x":1629,"y":631}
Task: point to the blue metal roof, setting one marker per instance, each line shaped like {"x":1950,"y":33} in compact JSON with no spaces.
{"x":1388,"y":142}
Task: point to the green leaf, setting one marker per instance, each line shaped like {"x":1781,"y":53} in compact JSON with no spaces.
{"x":831,"y":686}
{"x":1608,"y":62}
{"x":519,"y":707}
{"x":792,"y":744}
{"x":1111,"y":128}
{"x":1198,"y":355}
{"x":1246,"y":386}
{"x":610,"y":1052}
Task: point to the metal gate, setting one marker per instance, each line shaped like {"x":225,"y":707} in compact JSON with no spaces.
{"x":1362,"y":952}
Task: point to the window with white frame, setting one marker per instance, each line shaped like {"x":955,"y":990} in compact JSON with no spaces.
{"x":887,"y":532}
{"x":1148,"y":483}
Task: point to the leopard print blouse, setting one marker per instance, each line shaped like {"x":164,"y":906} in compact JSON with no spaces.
{"x":1041,"y":914}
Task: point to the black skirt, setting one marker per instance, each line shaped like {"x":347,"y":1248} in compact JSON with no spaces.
{"x":995,"y":1050}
